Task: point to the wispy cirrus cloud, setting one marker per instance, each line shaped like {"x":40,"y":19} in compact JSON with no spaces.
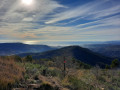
{"x":91,"y":10}
{"x":107,"y":22}
{"x":51,"y":20}
{"x":16,"y":17}
{"x":15,"y":11}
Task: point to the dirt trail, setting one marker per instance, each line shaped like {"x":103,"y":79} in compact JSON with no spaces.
{"x":52,"y":81}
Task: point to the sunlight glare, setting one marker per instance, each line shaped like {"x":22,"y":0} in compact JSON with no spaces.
{"x":27,"y":2}
{"x":29,"y":42}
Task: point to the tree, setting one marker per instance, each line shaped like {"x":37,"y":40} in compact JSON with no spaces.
{"x":73,"y":60}
{"x":115,"y":63}
{"x":107,"y":66}
{"x":18,"y":59}
{"x":29,"y":58}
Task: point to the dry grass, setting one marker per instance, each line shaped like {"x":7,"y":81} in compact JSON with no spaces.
{"x":10,"y":72}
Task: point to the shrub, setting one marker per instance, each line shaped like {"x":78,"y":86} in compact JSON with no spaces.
{"x":45,"y":86}
{"x":54,"y":72}
{"x":29,"y":58}
{"x":10,"y":73}
{"x":77,"y":84}
{"x":18,"y":59}
{"x":102,"y":79}
{"x":50,"y":63}
{"x":115,"y":63}
{"x":107,"y":66}
{"x":26,"y":76}
{"x":83,"y":65}
{"x":32,"y":68}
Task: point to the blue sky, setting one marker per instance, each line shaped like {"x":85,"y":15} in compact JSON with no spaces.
{"x":59,"y":20}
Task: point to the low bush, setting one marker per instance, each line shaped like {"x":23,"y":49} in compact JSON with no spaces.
{"x":54,"y":72}
{"x":10,"y":73}
{"x":45,"y":86}
{"x":77,"y":84}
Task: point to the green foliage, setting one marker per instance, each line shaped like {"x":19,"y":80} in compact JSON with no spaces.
{"x":32,"y":66}
{"x":42,"y":67}
{"x":77,"y":84}
{"x":107,"y":66}
{"x":32,"y":69}
{"x":83,"y":65}
{"x":73,"y":60}
{"x":101,"y":78}
{"x":50,"y":63}
{"x":26,"y":76}
{"x":29,"y":58}
{"x":54,"y":72}
{"x":18,"y":58}
{"x":115,"y":63}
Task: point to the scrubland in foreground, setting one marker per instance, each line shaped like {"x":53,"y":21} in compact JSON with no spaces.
{"x":45,"y":74}
{"x":10,"y":72}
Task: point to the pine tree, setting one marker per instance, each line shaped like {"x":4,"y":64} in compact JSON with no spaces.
{"x":115,"y":63}
{"x":29,"y":58}
{"x":107,"y":66}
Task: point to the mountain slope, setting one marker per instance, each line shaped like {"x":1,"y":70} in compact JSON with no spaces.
{"x":109,"y":50}
{"x":17,"y":48}
{"x":79,"y":53}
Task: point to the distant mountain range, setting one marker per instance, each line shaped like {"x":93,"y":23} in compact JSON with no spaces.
{"x":81,"y":43}
{"x":113,"y":42}
{"x":77,"y":52}
{"x":110,"y":50}
{"x":98,"y":52}
{"x":17,"y":48}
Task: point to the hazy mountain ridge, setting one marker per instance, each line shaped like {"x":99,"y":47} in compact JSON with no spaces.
{"x":17,"y":48}
{"x":77,"y":52}
{"x":110,"y":50}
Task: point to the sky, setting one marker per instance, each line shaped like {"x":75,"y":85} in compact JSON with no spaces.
{"x":51,"y":21}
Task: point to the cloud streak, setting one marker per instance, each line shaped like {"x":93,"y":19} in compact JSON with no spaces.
{"x":50,"y":20}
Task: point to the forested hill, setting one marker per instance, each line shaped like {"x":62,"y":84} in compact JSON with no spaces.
{"x":109,"y":50}
{"x":77,"y":52}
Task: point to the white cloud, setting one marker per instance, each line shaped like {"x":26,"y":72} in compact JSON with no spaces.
{"x":28,"y":19}
{"x":106,"y":12}
{"x":40,"y":20}
{"x":74,"y":12}
{"x":92,"y":10}
{"x":18,"y":11}
{"x":16,"y":17}
{"x":107,"y":22}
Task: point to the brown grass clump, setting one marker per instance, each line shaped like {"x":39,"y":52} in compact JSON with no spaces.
{"x":10,"y":72}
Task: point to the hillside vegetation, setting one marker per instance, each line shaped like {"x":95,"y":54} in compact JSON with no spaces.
{"x":10,"y":73}
{"x":48,"y":74}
